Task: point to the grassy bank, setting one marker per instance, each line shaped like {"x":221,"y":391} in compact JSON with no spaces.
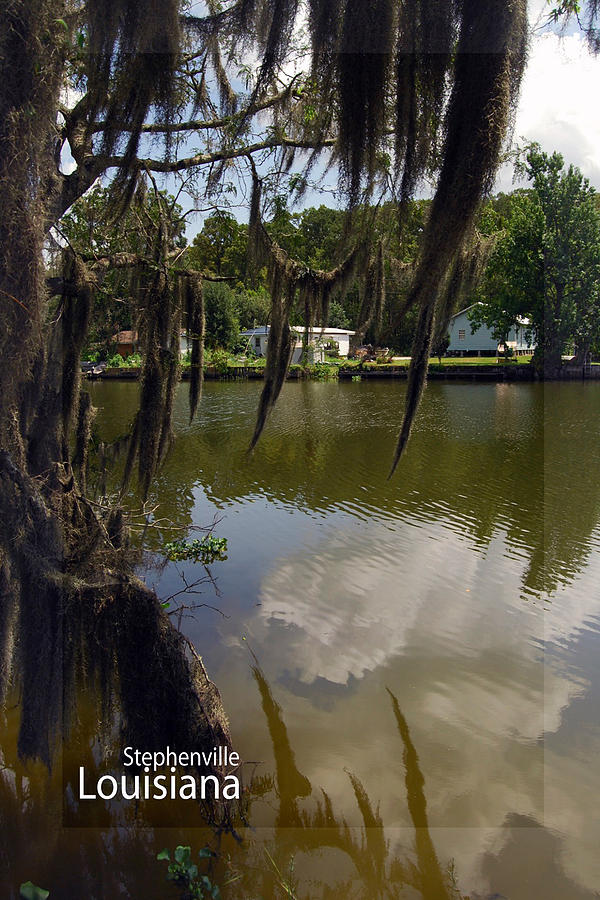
{"x":230,"y":367}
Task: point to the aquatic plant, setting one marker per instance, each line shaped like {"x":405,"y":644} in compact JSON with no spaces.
{"x":185,"y":874}
{"x":205,"y":550}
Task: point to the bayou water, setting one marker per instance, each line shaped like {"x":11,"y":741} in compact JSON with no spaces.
{"x":411,"y":667}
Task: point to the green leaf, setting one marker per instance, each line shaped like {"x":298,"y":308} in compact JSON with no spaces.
{"x":64,"y":25}
{"x":164,"y":854}
{"x":205,"y":853}
{"x":29,"y":891}
{"x":183,"y":854}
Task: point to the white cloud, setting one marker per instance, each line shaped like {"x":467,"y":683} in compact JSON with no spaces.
{"x":471,"y":678}
{"x":558,"y":105}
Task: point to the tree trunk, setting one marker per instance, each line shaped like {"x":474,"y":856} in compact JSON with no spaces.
{"x":56,"y":599}
{"x":582,"y":354}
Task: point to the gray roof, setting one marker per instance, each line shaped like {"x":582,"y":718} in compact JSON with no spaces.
{"x":466,"y":309}
{"x":264,"y":329}
{"x":519,"y":319}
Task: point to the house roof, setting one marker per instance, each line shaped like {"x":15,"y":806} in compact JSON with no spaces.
{"x":519,"y":319}
{"x":316,"y":329}
{"x":262,"y":329}
{"x":466,"y":309}
{"x":329,"y":330}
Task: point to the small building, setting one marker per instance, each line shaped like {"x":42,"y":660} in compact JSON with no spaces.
{"x":320,"y":340}
{"x":126,"y":342}
{"x":481,"y":341}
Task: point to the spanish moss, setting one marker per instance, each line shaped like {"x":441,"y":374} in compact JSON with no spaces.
{"x":77,"y":303}
{"x":289,"y":281}
{"x":373,"y":297}
{"x":488,"y":69}
{"x":83,"y":434}
{"x":196,"y":326}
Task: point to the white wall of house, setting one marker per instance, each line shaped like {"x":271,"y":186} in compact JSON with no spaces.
{"x":482,"y":340}
{"x":340,"y":335}
{"x":462,"y":341}
{"x":315,"y":354}
{"x":517,"y":339}
{"x":258,"y":338}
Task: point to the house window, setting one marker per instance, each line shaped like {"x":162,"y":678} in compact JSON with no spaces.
{"x":461,"y":334}
{"x":257,"y":343}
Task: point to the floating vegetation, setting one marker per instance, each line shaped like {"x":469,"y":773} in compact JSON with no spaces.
{"x":206,"y":550}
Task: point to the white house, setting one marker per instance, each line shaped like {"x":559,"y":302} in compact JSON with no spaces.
{"x":320,"y":339}
{"x":481,"y":342}
{"x":517,"y":338}
{"x":185,"y":342}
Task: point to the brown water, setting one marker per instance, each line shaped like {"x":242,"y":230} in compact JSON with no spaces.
{"x":416,"y":658}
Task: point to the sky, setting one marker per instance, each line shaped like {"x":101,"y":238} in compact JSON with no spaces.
{"x":558,"y":105}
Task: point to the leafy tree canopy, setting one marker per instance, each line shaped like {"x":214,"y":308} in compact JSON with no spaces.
{"x":546,"y":264}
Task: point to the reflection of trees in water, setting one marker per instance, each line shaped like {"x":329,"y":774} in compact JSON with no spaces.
{"x":332,"y":859}
{"x":526,"y":844}
{"x":379,"y":872}
{"x":91,"y":862}
{"x":528,"y":864}
{"x":514,"y":459}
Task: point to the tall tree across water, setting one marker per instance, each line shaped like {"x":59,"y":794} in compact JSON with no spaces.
{"x":545,"y":268}
{"x":397,"y":91}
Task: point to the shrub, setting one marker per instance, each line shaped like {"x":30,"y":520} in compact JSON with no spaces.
{"x":115,"y":362}
{"x":323,"y":371}
{"x":242,"y":347}
{"x":219,"y":359}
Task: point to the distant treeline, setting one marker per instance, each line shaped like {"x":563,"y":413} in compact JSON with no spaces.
{"x":542,"y":263}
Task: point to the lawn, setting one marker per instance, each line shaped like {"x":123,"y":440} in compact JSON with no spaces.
{"x":481,"y":360}
{"x":449,"y":361}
